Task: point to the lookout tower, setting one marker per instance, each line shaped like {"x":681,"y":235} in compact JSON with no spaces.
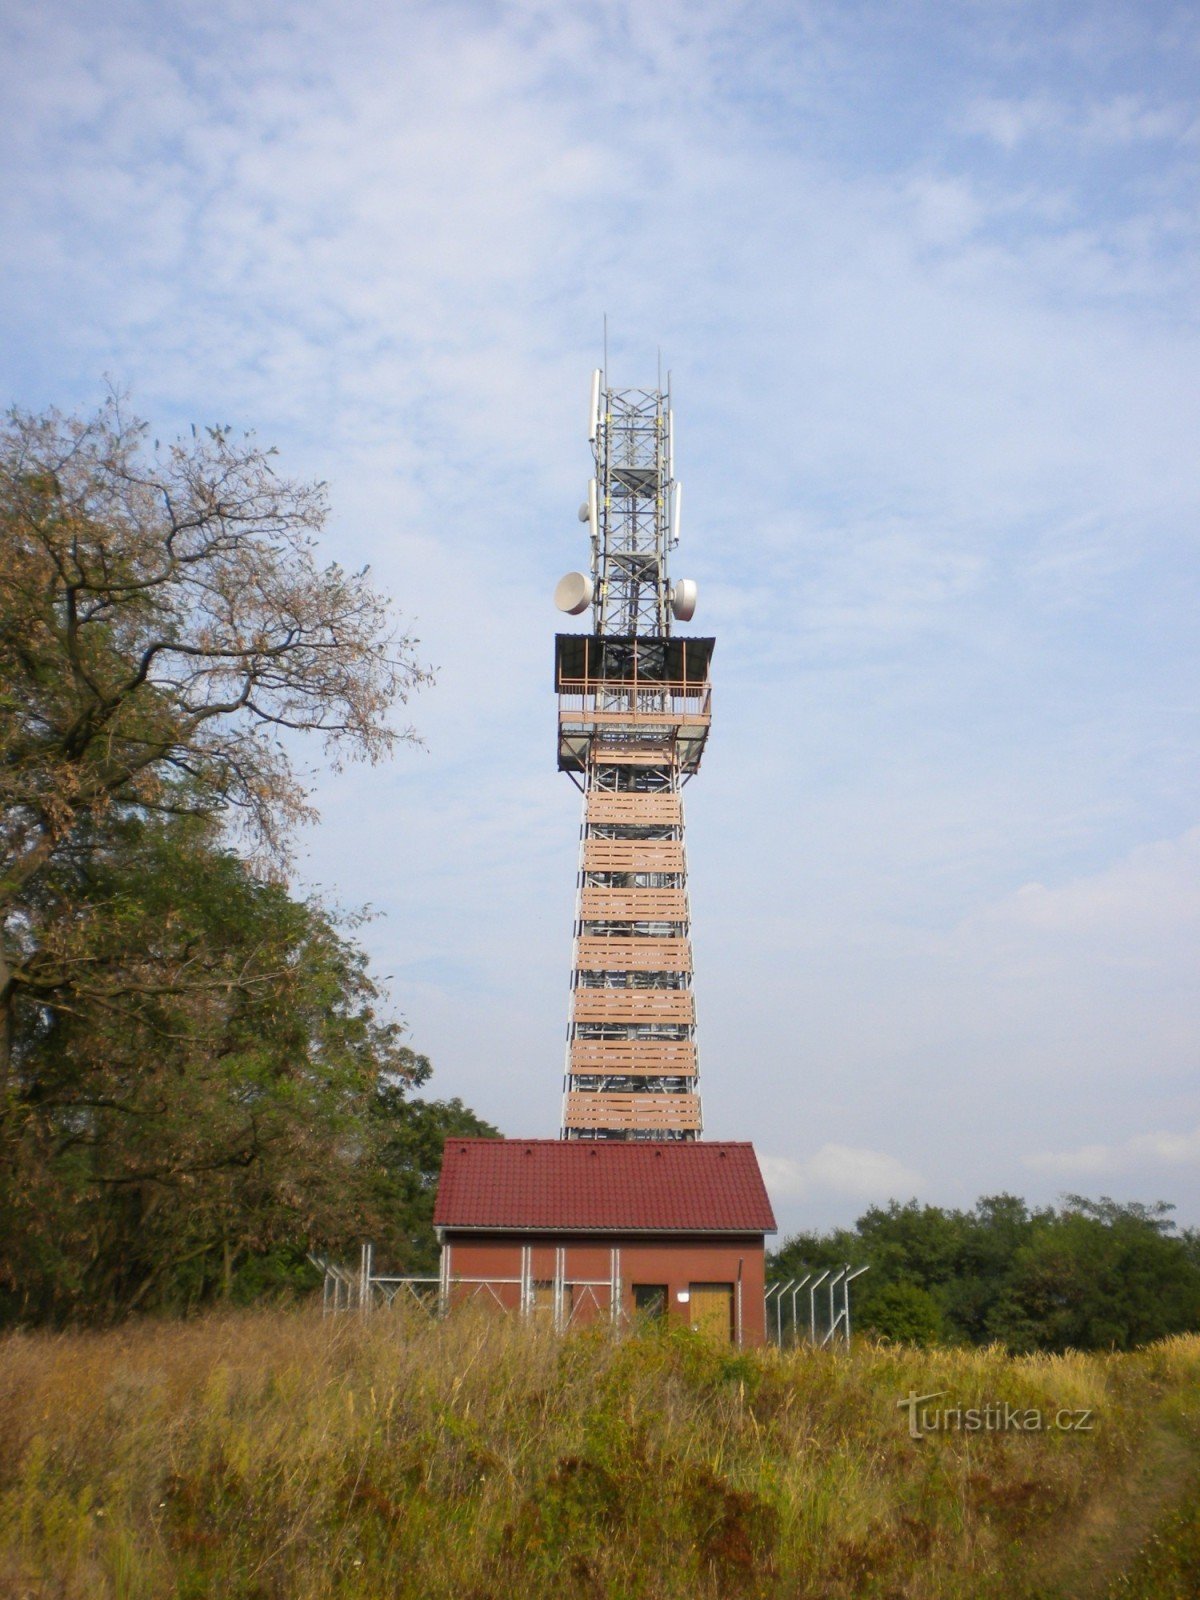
{"x":634,"y":708}
{"x":634,"y":1215}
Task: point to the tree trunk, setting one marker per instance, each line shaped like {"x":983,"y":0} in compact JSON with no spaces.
{"x":8,"y":997}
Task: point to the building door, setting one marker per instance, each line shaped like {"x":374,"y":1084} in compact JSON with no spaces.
{"x":710,"y":1308}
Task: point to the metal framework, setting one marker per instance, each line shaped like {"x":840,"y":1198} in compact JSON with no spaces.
{"x":634,"y":709}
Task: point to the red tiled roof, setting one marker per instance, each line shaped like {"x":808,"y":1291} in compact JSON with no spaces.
{"x":595,"y":1186}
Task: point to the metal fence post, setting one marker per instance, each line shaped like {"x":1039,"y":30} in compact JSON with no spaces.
{"x":795,"y":1292}
{"x":767,"y":1293}
{"x":812,"y":1305}
{"x":846,"y":1295}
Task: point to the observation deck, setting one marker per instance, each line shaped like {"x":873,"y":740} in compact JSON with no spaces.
{"x":632,"y":701}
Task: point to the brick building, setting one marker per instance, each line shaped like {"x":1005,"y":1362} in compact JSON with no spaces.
{"x":579,"y":1230}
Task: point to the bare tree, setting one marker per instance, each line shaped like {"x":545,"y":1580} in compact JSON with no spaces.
{"x":164,"y":621}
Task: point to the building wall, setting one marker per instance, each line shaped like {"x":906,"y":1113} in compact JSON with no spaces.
{"x":584,"y":1268}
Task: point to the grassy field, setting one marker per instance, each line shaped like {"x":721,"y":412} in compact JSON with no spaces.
{"x":273,"y":1454}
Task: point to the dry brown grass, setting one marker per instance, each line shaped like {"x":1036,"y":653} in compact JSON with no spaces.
{"x":274,"y":1454}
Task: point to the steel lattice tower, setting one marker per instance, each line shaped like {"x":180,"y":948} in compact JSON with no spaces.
{"x":634,"y":706}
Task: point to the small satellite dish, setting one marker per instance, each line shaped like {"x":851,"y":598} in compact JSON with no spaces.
{"x":574,"y":593}
{"x":585,"y":512}
{"x":683,"y":599}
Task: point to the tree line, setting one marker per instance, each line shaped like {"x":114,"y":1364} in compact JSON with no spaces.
{"x":199,"y":1077}
{"x":1084,"y":1275}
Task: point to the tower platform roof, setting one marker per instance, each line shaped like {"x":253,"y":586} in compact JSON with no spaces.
{"x":610,"y":1187}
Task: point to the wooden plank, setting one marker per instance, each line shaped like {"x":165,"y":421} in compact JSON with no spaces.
{"x":596,"y":954}
{"x":633,"y":855}
{"x":667,"y":1058}
{"x":635,"y":1005}
{"x":636,"y":717}
{"x":621,"y":1112}
{"x":633,"y":905}
{"x":658,"y":754}
{"x":645,"y":809}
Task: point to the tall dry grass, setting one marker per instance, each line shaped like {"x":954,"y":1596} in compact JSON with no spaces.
{"x":274,"y":1454}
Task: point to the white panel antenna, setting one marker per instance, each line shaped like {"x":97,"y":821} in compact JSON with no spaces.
{"x":594,"y":408}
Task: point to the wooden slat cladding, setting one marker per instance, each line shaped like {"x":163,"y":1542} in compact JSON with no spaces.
{"x":643,"y":752}
{"x":635,"y":1005}
{"x":666,"y":1058}
{"x":633,"y":905}
{"x":633,"y":955}
{"x":628,"y":712}
{"x":659,"y":1112}
{"x":633,"y":855}
{"x":646,"y":809}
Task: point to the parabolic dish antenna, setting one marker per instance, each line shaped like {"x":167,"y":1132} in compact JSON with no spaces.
{"x":683,"y":599}
{"x":574,"y":593}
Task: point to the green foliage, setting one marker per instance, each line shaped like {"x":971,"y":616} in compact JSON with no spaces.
{"x":204,"y":1087}
{"x":1089,"y":1275}
{"x":904,"y":1311}
{"x":407,"y":1135}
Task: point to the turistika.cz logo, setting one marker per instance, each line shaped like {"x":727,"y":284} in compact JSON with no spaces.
{"x":996,"y":1416}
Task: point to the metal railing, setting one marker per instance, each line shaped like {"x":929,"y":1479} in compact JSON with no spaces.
{"x":562,"y":1301}
{"x":634,"y":700}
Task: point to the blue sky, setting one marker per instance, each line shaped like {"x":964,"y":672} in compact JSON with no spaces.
{"x":926,"y":280}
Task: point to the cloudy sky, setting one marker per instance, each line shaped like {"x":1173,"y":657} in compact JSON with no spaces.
{"x":926,"y":278}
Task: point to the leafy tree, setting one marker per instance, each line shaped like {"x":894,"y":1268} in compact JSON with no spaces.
{"x":410,"y":1134}
{"x":905,"y":1313}
{"x":163,"y":623}
{"x":920,"y":1243}
{"x":814,"y":1252}
{"x":1099,"y":1276}
{"x":990,"y":1236}
{"x":1091,"y":1274}
{"x":198,"y":1080}
{"x":203,"y":1082}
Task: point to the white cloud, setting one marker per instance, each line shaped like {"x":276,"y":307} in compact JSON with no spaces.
{"x":846,"y":1171}
{"x":1125,"y":910}
{"x":1144,"y":1150}
{"x":1130,"y":119}
{"x":1125,"y":119}
{"x":1008,"y":122}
